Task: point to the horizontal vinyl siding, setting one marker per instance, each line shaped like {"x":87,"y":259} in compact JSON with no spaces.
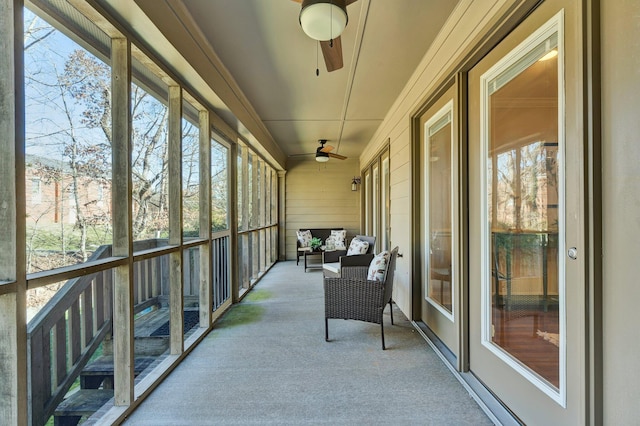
{"x":462,"y":28}
{"x":400,"y":210}
{"x":318,"y":195}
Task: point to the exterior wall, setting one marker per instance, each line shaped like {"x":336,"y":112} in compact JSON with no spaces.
{"x":620,"y":182}
{"x":53,"y":202}
{"x":463,"y":26}
{"x":620,"y":29}
{"x":318,"y":195}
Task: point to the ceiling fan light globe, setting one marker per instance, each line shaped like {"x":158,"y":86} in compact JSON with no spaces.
{"x":323,"y":20}
{"x":322,"y":157}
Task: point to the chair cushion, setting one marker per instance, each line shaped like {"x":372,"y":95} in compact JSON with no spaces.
{"x":378,"y":266}
{"x":333,"y":267}
{"x":336,"y":239}
{"x":303,"y":249}
{"x":357,"y":247}
{"x":304,"y":237}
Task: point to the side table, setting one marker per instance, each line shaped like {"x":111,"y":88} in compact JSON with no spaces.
{"x":317,"y":252}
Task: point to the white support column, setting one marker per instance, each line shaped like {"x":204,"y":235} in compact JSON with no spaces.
{"x":282,"y":216}
{"x":206,"y":270}
{"x":13,"y":345}
{"x":122,"y":218}
{"x":176,"y":276}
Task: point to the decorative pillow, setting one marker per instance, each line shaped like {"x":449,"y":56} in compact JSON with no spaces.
{"x":357,"y":247}
{"x":377,"y":266}
{"x":337,"y":237}
{"x":304,"y":237}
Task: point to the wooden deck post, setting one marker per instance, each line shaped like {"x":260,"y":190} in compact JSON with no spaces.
{"x":232,"y":205}
{"x":176,"y":276}
{"x":206,"y":271}
{"x":264,"y":182}
{"x":13,"y":343}
{"x":122,"y":222}
{"x":255,"y":218}
{"x":245,"y":274}
{"x":281,"y":214}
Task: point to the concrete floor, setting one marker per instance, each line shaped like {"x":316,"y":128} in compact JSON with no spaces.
{"x":266,"y":362}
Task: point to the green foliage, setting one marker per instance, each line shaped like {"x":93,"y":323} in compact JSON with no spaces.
{"x":315,"y":242}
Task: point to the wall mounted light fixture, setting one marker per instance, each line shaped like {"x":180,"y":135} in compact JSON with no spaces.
{"x":355,"y":182}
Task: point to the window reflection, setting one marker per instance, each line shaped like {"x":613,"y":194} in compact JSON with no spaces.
{"x":522,"y":198}
{"x":439,"y":161}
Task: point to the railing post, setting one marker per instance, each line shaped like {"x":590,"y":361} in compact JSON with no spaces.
{"x":122,"y":233}
{"x":13,"y":346}
{"x":205,"y":276}
{"x":176,"y":275}
{"x":282,"y":250}
{"x":234,"y":224}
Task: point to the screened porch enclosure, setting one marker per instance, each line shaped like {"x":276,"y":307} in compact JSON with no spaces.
{"x":146,"y":216}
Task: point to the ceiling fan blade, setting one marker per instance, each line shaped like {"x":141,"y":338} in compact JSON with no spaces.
{"x":338,"y":156}
{"x":332,"y":54}
{"x":327,"y":148}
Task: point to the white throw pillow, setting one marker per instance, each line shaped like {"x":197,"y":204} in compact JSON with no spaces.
{"x":304,"y":237}
{"x":337,"y":237}
{"x":378,"y":266}
{"x":357,"y":247}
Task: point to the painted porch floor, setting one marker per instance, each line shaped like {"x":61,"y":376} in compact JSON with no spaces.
{"x":266,"y":362}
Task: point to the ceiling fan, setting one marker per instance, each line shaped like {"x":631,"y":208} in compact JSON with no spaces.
{"x":324,"y":20}
{"x":324,"y":152}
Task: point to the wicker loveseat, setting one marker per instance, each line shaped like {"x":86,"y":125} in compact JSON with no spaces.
{"x":321,"y":233}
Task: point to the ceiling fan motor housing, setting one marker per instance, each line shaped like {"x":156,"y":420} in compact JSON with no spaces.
{"x":323,"y":19}
{"x":321,"y":156}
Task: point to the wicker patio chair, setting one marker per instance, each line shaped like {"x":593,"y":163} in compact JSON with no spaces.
{"x":334,"y":261}
{"x":352,"y":296}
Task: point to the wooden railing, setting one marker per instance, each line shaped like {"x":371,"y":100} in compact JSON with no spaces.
{"x":220,"y":251}
{"x":257,"y":251}
{"x":63,"y":336}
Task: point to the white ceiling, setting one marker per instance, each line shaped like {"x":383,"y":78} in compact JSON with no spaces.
{"x":273,"y":62}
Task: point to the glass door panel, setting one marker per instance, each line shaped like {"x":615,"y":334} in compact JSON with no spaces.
{"x":367,"y":204}
{"x":522,"y":201}
{"x":385,"y":200}
{"x":438,"y":162}
{"x":526,"y":300}
{"x":375,"y":204}
{"x":440,"y":224}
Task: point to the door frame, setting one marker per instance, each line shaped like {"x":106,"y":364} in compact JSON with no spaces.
{"x":507,"y":19}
